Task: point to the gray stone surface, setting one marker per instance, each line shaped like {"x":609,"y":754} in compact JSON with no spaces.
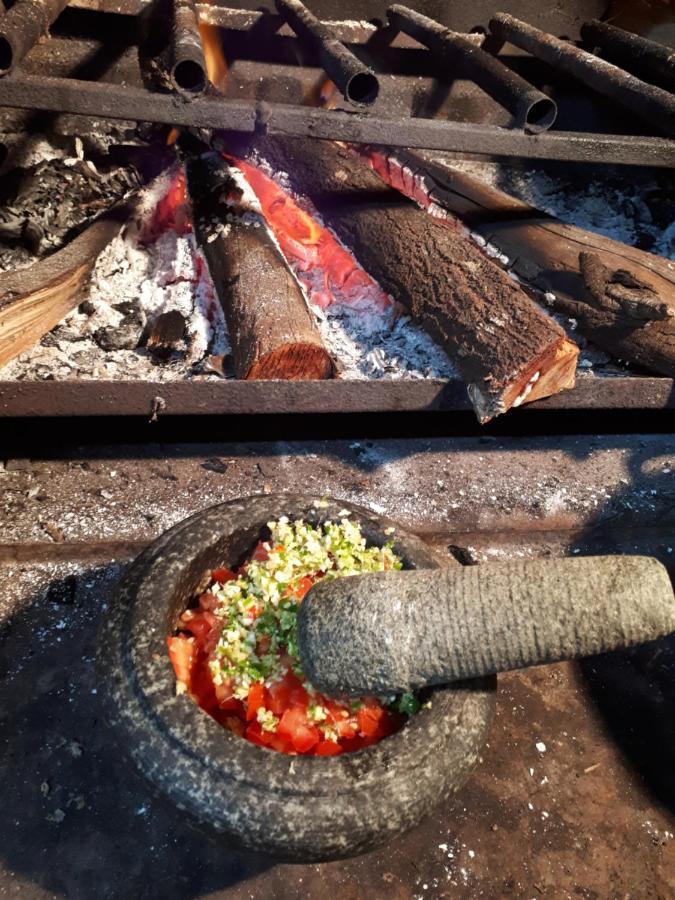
{"x":305,"y":808}
{"x":399,"y":631}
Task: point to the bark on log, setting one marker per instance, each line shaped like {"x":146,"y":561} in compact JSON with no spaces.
{"x":33,"y":300}
{"x":272,"y":332}
{"x":622,"y":298}
{"x":508,"y":351}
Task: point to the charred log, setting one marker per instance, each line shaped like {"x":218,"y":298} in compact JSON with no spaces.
{"x":622,"y":298}
{"x":272,"y":331}
{"x":507,"y":349}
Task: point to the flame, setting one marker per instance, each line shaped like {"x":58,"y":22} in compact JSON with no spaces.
{"x":327,"y":271}
{"x":172,"y":137}
{"x":324,"y":94}
{"x":216,"y":64}
{"x":172,"y":211}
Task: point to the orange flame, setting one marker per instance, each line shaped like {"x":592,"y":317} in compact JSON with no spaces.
{"x":216,"y":64}
{"x":172,"y":137}
{"x":327,"y":271}
{"x":323,"y":94}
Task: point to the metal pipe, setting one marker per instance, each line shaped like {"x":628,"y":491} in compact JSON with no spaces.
{"x":635,"y":53}
{"x":531,"y":109}
{"x":353,"y":78}
{"x":188,"y":66}
{"x":23,"y":26}
{"x":651,"y":103}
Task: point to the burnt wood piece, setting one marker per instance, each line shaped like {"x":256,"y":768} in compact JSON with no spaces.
{"x":531,"y":109}
{"x":355,"y":80}
{"x":272,"y":331}
{"x":23,"y":26}
{"x":165,"y":333}
{"x":114,"y":101}
{"x":34,"y":299}
{"x":651,"y":103}
{"x":507,"y":350}
{"x":627,"y":307}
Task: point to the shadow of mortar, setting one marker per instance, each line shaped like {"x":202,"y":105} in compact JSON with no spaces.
{"x":75,"y":817}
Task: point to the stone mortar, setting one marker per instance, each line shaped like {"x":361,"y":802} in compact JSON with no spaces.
{"x":298,"y":808}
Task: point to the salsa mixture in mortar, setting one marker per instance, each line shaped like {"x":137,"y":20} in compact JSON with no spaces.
{"x":236,"y":652}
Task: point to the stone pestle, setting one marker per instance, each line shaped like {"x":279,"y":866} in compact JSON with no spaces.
{"x":399,"y":631}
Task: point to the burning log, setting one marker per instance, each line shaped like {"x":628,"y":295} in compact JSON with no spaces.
{"x":23,"y":26}
{"x":33,"y":300}
{"x":622,"y":298}
{"x":272,"y":332}
{"x":507,"y":349}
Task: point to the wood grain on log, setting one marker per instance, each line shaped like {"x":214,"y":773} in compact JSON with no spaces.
{"x":272,"y":332}
{"x":632,"y":315}
{"x":507,"y":350}
{"x":33,"y":300}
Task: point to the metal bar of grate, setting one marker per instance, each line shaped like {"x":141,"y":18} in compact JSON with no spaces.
{"x":112,"y":101}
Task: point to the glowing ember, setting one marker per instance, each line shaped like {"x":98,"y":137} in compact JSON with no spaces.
{"x":327,"y":271}
{"x":172,"y":211}
{"x":216,"y":64}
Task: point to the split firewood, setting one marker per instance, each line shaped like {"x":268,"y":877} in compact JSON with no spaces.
{"x":622,"y":298}
{"x":33,"y":300}
{"x":272,"y":332}
{"x":506,"y":348}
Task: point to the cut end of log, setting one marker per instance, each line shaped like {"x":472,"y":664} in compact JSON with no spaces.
{"x":553,"y":372}
{"x":293,"y":362}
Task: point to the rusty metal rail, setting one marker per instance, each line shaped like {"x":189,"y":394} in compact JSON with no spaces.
{"x":112,"y":101}
{"x":141,"y":398}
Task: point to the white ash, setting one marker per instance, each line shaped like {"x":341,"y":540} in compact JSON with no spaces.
{"x":375,"y":344}
{"x":168,"y":274}
{"x":635,"y":207}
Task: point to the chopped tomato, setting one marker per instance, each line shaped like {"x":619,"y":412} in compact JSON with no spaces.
{"x":327,"y":748}
{"x":295,"y":727}
{"x":303,"y":586}
{"x":181,"y":654}
{"x":256,"y":700}
{"x":279,"y":695}
{"x":369,"y":720}
{"x":236,"y":725}
{"x":223,"y":575}
{"x":261,"y":553}
{"x":209,"y":602}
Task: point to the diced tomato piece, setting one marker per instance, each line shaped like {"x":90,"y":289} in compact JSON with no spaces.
{"x":369,"y":718}
{"x":281,"y":745}
{"x":181,"y":654}
{"x":279,"y":696}
{"x":209,"y":602}
{"x":261,"y":553}
{"x":256,"y":700}
{"x":327,"y":748}
{"x":295,"y":727}
{"x":303,"y":586}
{"x":223,"y":575}
{"x":256,"y":735}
